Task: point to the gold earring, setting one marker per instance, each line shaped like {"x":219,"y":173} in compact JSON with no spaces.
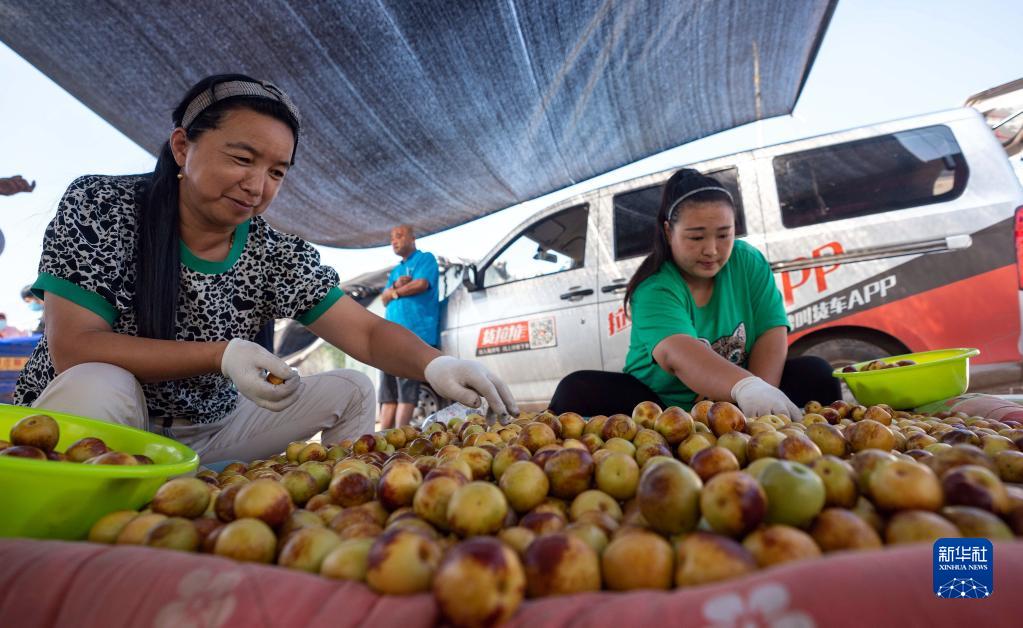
{"x":180,"y":176}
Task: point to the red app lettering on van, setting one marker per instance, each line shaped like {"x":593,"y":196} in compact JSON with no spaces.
{"x":617,"y":321}
{"x":787,"y":287}
{"x":843,"y":305}
{"x":504,"y":334}
{"x":820,"y":272}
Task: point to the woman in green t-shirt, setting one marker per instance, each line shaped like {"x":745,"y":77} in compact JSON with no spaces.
{"x":708,"y":321}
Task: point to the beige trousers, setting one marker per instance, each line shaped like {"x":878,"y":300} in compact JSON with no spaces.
{"x":339,"y":403}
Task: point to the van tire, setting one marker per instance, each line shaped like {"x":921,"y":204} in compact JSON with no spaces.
{"x":429,"y":401}
{"x":848,"y":348}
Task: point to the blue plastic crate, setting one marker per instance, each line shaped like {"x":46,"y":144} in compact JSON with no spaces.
{"x":19,"y":347}
{"x":14,"y":352}
{"x":7,"y":381}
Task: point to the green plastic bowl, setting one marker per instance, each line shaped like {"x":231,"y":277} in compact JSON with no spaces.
{"x":61,"y":500}
{"x":936,"y":375}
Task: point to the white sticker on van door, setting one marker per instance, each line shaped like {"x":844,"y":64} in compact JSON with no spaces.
{"x":537,"y":333}
{"x":542,"y":333}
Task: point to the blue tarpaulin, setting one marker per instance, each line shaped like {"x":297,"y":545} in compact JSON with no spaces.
{"x":436,"y":112}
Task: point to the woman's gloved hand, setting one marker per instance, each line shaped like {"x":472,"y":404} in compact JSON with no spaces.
{"x":755,"y":397}
{"x":465,"y":381}
{"x":247,"y":363}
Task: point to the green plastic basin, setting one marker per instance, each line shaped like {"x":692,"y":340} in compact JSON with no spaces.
{"x":936,"y":375}
{"x":61,"y":500}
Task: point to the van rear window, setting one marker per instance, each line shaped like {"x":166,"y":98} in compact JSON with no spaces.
{"x":635,"y":213}
{"x":896,"y":171}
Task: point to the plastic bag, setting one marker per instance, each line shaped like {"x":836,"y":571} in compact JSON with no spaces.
{"x":455,"y":410}
{"x":998,"y":407}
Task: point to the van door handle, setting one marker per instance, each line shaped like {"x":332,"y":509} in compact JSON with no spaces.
{"x":613,"y":287}
{"x":574,"y":294}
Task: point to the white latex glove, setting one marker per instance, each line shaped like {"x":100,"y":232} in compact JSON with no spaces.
{"x":755,"y":397}
{"x":465,"y":381}
{"x":247,"y":363}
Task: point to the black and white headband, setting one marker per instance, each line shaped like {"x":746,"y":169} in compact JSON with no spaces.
{"x":678,"y":201}
{"x":231,"y":89}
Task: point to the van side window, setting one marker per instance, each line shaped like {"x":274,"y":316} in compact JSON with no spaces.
{"x":553,"y":245}
{"x":904,"y":169}
{"x":635,"y":213}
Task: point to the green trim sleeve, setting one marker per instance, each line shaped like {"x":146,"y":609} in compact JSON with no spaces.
{"x":76,"y":294}
{"x":332,"y":297}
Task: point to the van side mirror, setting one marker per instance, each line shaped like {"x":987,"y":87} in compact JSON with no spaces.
{"x":543,"y":255}
{"x":470,"y":278}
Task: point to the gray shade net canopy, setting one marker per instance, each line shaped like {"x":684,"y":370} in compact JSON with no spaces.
{"x":434,"y":112}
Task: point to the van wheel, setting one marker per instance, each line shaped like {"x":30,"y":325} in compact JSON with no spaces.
{"x":843,"y":351}
{"x":429,"y":402}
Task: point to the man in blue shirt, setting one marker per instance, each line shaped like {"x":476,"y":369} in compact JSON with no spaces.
{"x":411,"y":301}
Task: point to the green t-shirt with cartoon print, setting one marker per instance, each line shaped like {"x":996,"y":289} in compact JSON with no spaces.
{"x":745,"y":303}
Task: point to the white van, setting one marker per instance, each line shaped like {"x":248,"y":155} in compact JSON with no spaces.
{"x":896,"y":237}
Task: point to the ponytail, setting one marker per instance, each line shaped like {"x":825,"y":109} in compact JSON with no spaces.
{"x":158,"y":257}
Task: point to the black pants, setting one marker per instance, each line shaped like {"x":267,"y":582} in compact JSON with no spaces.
{"x":393,"y":389}
{"x":600,"y":392}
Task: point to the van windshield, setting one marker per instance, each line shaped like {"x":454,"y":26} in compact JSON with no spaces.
{"x":1006,"y":122}
{"x":1002,"y":108}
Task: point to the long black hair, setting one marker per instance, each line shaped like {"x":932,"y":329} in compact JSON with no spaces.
{"x":158,"y":259}
{"x":680,"y":184}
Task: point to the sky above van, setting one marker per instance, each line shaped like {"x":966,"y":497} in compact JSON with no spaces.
{"x":879,"y":61}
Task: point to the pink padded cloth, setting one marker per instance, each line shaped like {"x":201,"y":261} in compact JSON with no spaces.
{"x":50,"y":583}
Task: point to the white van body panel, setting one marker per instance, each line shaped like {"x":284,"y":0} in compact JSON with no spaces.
{"x":530,"y":327}
{"x":591,"y":332}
